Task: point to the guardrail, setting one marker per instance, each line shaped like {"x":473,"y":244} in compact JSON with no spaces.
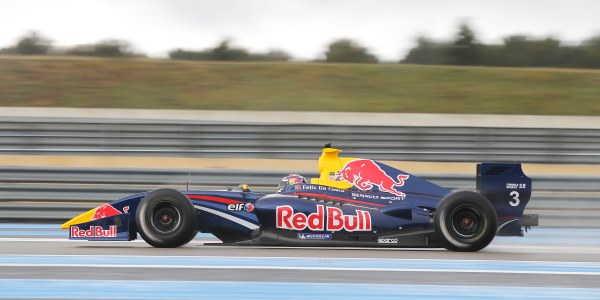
{"x":57,"y":194}
{"x":201,"y":139}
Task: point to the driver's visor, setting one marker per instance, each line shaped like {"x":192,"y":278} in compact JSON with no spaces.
{"x":282,"y":185}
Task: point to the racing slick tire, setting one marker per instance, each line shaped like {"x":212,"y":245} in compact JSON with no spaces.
{"x":166,"y":219}
{"x":465,"y":221}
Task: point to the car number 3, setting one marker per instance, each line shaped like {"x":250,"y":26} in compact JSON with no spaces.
{"x":515,"y":198}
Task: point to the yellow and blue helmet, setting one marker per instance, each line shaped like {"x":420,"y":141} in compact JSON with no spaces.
{"x":290,"y":179}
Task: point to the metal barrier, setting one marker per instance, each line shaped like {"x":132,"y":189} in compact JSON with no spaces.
{"x":57,"y":194}
{"x":201,"y":139}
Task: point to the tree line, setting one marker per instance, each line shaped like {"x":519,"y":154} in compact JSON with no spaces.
{"x":463,"y":49}
{"x":515,"y":51}
{"x":34,"y":43}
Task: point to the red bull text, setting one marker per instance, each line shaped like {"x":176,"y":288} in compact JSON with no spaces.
{"x":365,"y":173}
{"x":328,"y":219}
{"x":93,"y":232}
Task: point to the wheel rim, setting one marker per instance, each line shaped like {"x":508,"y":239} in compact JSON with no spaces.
{"x":165,"y":218}
{"x":467,"y":222}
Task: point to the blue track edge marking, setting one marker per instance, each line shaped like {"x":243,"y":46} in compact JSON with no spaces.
{"x":349,"y":264}
{"x":33,"y":233}
{"x":28,"y":226}
{"x":131,"y":289}
{"x":548,"y":240}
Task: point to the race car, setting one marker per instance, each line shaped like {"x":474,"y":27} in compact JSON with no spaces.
{"x":354,"y":203}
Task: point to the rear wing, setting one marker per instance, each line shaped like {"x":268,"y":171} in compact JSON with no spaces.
{"x":509,"y":190}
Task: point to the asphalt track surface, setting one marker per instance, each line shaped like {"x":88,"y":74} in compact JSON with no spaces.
{"x":546,"y":264}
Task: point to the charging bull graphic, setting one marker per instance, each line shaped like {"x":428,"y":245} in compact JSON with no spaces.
{"x":365,"y":173}
{"x":104,"y":211}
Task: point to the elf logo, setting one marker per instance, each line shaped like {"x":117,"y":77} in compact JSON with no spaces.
{"x":325,"y":219}
{"x":249,"y":207}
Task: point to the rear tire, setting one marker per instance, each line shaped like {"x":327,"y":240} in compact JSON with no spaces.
{"x":466,"y":221}
{"x":166,"y":219}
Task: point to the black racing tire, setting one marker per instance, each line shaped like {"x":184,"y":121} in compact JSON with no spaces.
{"x":166,"y":218}
{"x":465,"y":221}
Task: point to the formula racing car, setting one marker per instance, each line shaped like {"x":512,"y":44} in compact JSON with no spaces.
{"x":354,"y":203}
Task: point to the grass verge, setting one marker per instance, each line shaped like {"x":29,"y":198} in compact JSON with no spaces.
{"x":152,"y":83}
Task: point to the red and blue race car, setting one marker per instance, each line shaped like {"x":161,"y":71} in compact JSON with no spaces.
{"x":354,"y":202}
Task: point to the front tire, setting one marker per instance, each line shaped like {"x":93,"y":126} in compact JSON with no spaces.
{"x":166,"y":219}
{"x":466,"y":221}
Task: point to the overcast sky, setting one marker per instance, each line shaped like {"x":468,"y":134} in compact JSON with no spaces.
{"x":302,"y":28}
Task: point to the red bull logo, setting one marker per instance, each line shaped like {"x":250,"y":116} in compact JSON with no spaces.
{"x":365,"y":173}
{"x":104,"y":211}
{"x":93,"y":232}
{"x":330,"y":219}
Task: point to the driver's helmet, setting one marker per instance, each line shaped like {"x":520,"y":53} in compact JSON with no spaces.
{"x":290,"y":180}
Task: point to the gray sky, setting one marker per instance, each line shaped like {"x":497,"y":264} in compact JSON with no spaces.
{"x":302,"y":28}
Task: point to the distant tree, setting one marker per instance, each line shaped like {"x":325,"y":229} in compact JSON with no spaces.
{"x":593,"y":42}
{"x":272,"y":55}
{"x":189,"y":55}
{"x":545,"y":53}
{"x":9,"y":50}
{"x":521,"y":51}
{"x":590,"y":53}
{"x":181,"y":54}
{"x":112,"y":48}
{"x":516,"y":51}
{"x":428,"y":52}
{"x":466,"y":51}
{"x":224,"y":52}
{"x":33,"y":44}
{"x":348,"y":51}
{"x":106,"y":48}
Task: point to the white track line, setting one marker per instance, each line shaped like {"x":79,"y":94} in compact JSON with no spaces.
{"x":304,"y":269}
